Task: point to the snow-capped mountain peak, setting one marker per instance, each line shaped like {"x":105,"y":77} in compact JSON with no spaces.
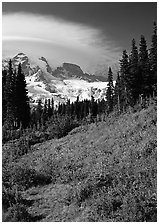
{"x":65,"y":82}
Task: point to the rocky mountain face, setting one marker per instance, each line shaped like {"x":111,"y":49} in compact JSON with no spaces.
{"x":68,"y":70}
{"x":65,"y":82}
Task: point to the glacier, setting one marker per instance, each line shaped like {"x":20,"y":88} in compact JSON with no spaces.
{"x":62,"y":83}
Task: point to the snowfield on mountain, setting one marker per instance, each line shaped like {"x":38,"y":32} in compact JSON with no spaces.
{"x":61,"y":83}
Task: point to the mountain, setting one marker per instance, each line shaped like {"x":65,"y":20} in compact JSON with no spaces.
{"x":68,"y":70}
{"x":65,"y":82}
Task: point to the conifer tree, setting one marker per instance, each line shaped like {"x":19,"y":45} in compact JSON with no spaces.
{"x":133,"y":74}
{"x":124,"y":64}
{"x":22,"y":100}
{"x":93,"y":108}
{"x":39,"y":111}
{"x":4,"y":102}
{"x":134,"y":57}
{"x":9,"y":97}
{"x":63,"y":109}
{"x":50,"y":111}
{"x":110,"y":91}
{"x":52,"y":105}
{"x":118,"y":92}
{"x":153,"y":56}
{"x":124,"y":80}
{"x":86,"y":108}
{"x":77,"y":108}
{"x":143,"y":81}
{"x":81,"y":110}
{"x":72,"y":109}
{"x":45,"y":112}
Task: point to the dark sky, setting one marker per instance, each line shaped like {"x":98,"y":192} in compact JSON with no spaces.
{"x":120,"y":21}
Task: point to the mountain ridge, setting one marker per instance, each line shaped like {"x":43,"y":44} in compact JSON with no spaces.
{"x":26,"y":63}
{"x":62,"y":83}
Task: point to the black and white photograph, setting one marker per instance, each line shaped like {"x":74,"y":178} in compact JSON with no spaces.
{"x":79,"y":111}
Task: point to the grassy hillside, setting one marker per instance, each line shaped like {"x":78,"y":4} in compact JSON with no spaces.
{"x":99,"y":172}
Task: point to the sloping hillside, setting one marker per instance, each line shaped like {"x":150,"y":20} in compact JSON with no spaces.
{"x":99,"y":172}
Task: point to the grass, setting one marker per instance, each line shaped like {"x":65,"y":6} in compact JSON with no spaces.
{"x":99,"y":172}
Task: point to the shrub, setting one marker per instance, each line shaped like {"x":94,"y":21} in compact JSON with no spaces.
{"x":49,"y":168}
{"x":16,"y":213}
{"x":60,"y":126}
{"x":27,"y":177}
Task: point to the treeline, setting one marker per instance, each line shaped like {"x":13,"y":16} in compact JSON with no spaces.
{"x":48,"y":122}
{"x":136,"y":79}
{"x":77,"y":110}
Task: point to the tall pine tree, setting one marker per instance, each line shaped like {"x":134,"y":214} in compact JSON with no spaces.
{"x":143,"y":81}
{"x":133,"y":74}
{"x":9,"y":94}
{"x":153,"y":57}
{"x":45,"y":112}
{"x":39,"y":111}
{"x":124,"y":80}
{"x":4,"y":102}
{"x":22,"y":100}
{"x":110,"y":91}
{"x":118,"y":93}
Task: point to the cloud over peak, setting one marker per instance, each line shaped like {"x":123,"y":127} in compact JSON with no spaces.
{"x":57,"y":39}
